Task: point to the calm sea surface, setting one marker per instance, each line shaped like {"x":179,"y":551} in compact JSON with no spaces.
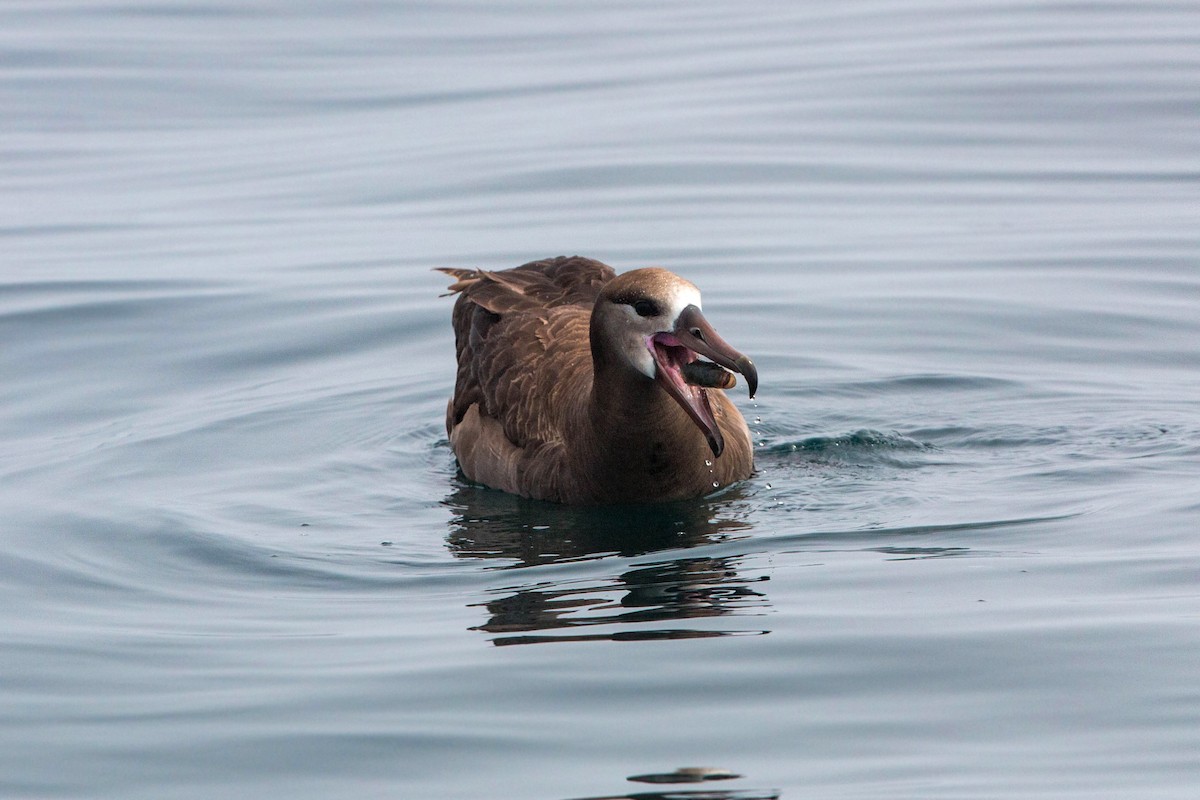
{"x":961,"y":241}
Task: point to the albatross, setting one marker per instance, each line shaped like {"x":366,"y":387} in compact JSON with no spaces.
{"x":578,"y":385}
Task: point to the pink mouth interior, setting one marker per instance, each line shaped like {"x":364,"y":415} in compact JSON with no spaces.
{"x":669,"y":358}
{"x":671,"y":355}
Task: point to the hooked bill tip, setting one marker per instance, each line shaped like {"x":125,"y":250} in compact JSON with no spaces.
{"x":750,"y":373}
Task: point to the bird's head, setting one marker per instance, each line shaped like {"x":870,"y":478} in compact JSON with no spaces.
{"x":649,"y":320}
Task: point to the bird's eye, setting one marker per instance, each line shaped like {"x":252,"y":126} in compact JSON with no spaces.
{"x":646,"y":308}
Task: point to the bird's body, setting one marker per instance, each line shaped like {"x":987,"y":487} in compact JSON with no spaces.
{"x":571,"y":385}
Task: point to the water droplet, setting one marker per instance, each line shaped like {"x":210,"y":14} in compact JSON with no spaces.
{"x":758,"y":420}
{"x":707,"y":463}
{"x":768,"y":486}
{"x":716,"y":484}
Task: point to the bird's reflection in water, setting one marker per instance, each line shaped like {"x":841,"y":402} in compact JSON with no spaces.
{"x":492,"y":524}
{"x":524,"y":533}
{"x":693,"y":794}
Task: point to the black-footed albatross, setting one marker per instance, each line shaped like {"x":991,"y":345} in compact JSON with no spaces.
{"x":578,"y":385}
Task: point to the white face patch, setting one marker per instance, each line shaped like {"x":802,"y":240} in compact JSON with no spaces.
{"x":679,"y":297}
{"x":643,"y":360}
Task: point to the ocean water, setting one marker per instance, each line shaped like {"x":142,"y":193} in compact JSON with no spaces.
{"x":961,"y":241}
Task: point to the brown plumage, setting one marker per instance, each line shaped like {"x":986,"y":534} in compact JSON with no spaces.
{"x":573,"y":385}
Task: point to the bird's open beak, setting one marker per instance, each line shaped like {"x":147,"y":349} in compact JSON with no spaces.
{"x":691,"y":337}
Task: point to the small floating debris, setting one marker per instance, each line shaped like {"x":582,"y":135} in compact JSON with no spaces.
{"x":687,"y":775}
{"x":708,"y":375}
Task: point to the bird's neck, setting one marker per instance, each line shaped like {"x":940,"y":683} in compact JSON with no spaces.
{"x":646,"y":443}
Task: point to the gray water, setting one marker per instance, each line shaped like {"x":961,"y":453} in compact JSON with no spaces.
{"x":960,"y":240}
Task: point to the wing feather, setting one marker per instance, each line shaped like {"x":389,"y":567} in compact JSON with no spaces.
{"x":521,"y":337}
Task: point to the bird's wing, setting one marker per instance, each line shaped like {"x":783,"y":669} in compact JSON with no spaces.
{"x":521,"y":337}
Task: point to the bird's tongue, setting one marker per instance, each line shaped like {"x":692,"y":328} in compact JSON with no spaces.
{"x":669,"y":356}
